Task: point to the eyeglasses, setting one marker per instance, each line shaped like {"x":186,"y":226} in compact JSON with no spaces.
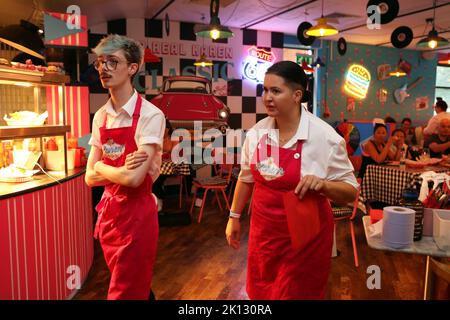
{"x":110,"y":64}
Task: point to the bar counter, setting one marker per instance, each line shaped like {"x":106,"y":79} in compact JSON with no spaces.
{"x":46,"y":242}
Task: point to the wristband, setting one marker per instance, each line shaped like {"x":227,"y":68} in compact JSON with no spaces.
{"x":234,"y":215}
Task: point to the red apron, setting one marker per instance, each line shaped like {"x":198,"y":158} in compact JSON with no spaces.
{"x":127,"y":224}
{"x":275,"y":270}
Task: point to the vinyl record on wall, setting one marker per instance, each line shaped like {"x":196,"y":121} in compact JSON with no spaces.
{"x":401,"y":37}
{"x":342,"y":46}
{"x":388,"y":9}
{"x":301,"y":34}
{"x":167,"y":24}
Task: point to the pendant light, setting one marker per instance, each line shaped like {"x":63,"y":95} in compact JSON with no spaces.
{"x":318,"y":63}
{"x":202,"y":61}
{"x":148,"y":54}
{"x":433,"y":40}
{"x":214,"y":29}
{"x":322,"y":29}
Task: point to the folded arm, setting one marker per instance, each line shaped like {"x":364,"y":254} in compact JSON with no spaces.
{"x":128,"y":177}
{"x":379,"y":157}
{"x":92,"y":178}
{"x":439,"y":147}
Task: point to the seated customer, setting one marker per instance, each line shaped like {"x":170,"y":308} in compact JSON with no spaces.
{"x":398,"y":146}
{"x":409,"y":131}
{"x":441,"y":112}
{"x":440,"y":143}
{"x":363,"y":143}
{"x":389,"y":119}
{"x":377,"y":149}
{"x":158,"y":185}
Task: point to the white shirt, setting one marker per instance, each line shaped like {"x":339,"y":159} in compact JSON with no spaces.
{"x":324,"y":152}
{"x":149,"y":130}
{"x":433,"y":124}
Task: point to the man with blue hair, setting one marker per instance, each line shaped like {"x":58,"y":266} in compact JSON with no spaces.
{"x":125,"y":157}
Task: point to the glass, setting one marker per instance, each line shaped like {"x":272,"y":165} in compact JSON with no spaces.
{"x":425,"y":154}
{"x":110,"y":64}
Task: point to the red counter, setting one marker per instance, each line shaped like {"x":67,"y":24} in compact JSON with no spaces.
{"x":46,"y":244}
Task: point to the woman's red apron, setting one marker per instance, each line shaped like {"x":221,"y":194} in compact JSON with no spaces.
{"x":275,"y":270}
{"x":127,"y":224}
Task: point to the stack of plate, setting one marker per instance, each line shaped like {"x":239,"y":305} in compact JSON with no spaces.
{"x":398,"y":227}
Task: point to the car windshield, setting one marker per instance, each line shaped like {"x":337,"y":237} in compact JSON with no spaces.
{"x":187,"y":86}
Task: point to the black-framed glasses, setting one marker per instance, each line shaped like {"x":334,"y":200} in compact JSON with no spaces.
{"x":110,"y":64}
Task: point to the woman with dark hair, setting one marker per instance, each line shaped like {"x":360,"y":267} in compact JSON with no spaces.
{"x":377,"y":149}
{"x":304,"y":155}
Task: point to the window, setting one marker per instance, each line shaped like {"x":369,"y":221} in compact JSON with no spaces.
{"x":443,"y":83}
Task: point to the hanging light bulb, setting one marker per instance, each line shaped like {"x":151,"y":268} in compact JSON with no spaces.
{"x":203,"y":62}
{"x":214,"y":33}
{"x":214,"y":29}
{"x":322,"y":28}
{"x":318,"y":63}
{"x":433,"y":40}
{"x":432,"y":43}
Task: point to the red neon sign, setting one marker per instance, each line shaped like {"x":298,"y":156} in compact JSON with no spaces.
{"x":261,"y":54}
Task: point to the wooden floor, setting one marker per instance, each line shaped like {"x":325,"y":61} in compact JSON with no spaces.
{"x":194,"y":262}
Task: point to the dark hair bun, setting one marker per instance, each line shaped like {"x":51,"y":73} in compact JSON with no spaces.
{"x":306,"y":96}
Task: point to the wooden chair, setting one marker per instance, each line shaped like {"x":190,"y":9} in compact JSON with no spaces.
{"x":218,"y":183}
{"x":349,"y":214}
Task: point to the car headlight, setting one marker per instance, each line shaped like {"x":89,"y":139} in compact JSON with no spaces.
{"x":223,"y":114}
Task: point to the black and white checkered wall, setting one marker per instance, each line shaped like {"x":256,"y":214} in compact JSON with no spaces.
{"x":241,"y":95}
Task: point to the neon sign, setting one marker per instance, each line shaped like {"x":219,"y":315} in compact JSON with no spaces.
{"x":257,"y":63}
{"x":357,"y":81}
{"x":261,"y":54}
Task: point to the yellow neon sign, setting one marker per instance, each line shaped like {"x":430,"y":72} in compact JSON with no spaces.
{"x":357,"y":81}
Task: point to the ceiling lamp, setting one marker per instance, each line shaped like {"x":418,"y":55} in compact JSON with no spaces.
{"x":150,"y":57}
{"x":23,"y":37}
{"x":322,"y":29}
{"x":433,"y":40}
{"x":203,"y":62}
{"x":214,"y":29}
{"x":148,"y":54}
{"x":318,"y":63}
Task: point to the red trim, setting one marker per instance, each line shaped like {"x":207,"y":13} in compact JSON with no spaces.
{"x":41,"y":234}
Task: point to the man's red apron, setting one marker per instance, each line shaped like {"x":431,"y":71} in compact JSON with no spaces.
{"x":275,"y":270}
{"x":127,"y":224}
